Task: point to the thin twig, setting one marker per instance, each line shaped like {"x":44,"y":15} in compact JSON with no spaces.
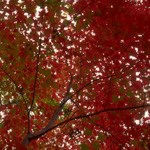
{"x":17,"y":88}
{"x":91,"y":82}
{"x":97,"y":123}
{"x":102,"y":111}
{"x":36,"y":75}
{"x":109,"y":132}
{"x":34,"y":85}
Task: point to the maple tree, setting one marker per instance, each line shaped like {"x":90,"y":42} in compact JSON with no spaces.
{"x":74,"y":74}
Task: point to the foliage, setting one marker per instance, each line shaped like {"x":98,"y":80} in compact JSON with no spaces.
{"x":74,"y":74}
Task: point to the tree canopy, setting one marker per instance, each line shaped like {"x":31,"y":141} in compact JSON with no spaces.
{"x":74,"y":74}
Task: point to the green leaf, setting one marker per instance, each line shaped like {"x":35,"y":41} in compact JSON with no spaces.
{"x":70,"y":9}
{"x":135,"y":142}
{"x":129,"y":93}
{"x":75,"y":86}
{"x":50,"y":101}
{"x":95,"y":118}
{"x":1,"y":125}
{"x":122,"y":90}
{"x":49,"y":1}
{"x":46,"y":72}
{"x":84,"y":146}
{"x":101,"y":136}
{"x":115,"y":98}
{"x":96,"y":145}
{"x":88,"y":132}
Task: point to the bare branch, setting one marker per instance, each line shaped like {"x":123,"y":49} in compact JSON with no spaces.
{"x":36,"y":75}
{"x":53,"y":119}
{"x":102,"y":111}
{"x":31,"y":137}
{"x":34,"y":85}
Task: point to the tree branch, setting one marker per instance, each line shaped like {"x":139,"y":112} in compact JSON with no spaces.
{"x":31,"y":137}
{"x":90,"y":119}
{"x":34,"y":85}
{"x":50,"y":124}
{"x":36,"y":75}
{"x":102,"y":111}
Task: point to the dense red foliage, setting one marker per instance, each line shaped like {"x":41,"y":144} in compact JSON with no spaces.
{"x":74,"y":74}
